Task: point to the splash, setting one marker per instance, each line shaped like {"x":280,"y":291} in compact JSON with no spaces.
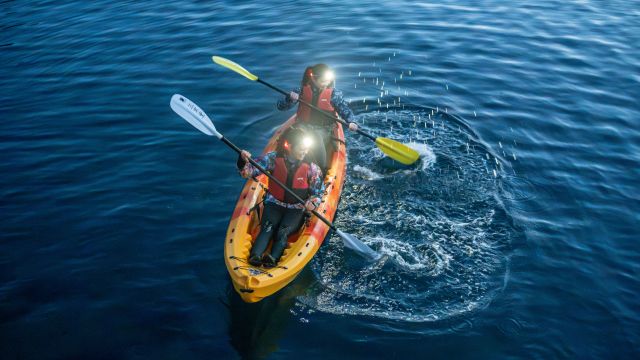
{"x":367,"y":173}
{"x":427,"y":156}
{"x":439,"y":225}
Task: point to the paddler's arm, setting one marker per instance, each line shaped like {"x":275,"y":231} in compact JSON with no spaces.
{"x":289,"y":100}
{"x":316,"y":186}
{"x":342,"y":108}
{"x":267,"y":161}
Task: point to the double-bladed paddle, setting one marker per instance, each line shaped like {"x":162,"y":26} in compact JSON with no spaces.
{"x":395,"y":150}
{"x":199,"y":119}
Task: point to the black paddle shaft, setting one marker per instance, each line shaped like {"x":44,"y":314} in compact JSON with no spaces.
{"x":317,"y":109}
{"x":271,"y":177}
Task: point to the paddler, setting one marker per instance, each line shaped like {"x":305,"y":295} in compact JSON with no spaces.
{"x":283,"y":215}
{"x":318,"y":88}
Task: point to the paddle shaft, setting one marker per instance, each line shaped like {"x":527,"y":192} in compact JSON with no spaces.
{"x":316,"y":108}
{"x":271,"y":177}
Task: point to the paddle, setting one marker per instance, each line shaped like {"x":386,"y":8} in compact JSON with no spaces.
{"x":196,"y":117}
{"x":395,"y":150}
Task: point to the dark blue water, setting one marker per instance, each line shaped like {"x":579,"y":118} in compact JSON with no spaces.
{"x":515,"y":237}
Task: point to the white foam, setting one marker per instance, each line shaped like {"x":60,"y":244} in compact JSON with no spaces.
{"x":368,"y":173}
{"x":363,"y":220}
{"x":426,"y":154}
{"x":405,"y":255}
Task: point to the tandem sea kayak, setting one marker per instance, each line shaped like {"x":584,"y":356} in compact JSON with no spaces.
{"x":255,"y":283}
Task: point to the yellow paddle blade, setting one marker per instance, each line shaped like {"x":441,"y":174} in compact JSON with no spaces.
{"x":397,"y":151}
{"x":233,"y":66}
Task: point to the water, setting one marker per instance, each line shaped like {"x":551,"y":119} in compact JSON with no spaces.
{"x":514,"y":237}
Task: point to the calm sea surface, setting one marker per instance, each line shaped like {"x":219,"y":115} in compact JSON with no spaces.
{"x":516,"y":236}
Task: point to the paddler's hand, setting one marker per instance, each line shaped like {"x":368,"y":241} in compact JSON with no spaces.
{"x":245,"y":155}
{"x":293,"y":96}
{"x":309,"y":205}
{"x":244,"y":172}
{"x":353,"y":126}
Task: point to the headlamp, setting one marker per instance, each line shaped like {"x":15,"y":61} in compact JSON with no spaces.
{"x":307,"y":142}
{"x":328,"y":76}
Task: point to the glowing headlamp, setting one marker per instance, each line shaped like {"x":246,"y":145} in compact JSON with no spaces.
{"x":307,"y":142}
{"x":327,"y":76}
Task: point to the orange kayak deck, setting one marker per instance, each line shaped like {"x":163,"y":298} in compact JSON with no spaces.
{"x":255,"y":283}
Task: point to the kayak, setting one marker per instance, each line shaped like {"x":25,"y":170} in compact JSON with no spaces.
{"x":255,"y":283}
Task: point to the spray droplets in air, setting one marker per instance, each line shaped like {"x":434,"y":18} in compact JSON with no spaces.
{"x":409,"y":90}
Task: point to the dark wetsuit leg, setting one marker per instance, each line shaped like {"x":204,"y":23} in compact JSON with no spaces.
{"x":290,"y":223}
{"x":271,"y":218}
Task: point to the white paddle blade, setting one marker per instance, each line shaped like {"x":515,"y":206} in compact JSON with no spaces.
{"x":193,"y":114}
{"x":358,"y":246}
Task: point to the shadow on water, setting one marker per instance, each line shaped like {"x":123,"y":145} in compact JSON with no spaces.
{"x":255,"y":329}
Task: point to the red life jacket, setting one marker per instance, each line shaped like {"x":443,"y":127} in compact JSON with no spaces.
{"x":296,"y":179}
{"x":322,"y":100}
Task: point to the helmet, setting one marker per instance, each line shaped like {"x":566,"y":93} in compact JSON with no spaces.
{"x":293,"y":136}
{"x":318,"y":72}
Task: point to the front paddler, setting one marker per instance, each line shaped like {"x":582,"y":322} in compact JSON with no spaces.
{"x":283,"y":215}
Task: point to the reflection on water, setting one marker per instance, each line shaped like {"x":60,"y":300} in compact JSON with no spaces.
{"x":256,"y":329}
